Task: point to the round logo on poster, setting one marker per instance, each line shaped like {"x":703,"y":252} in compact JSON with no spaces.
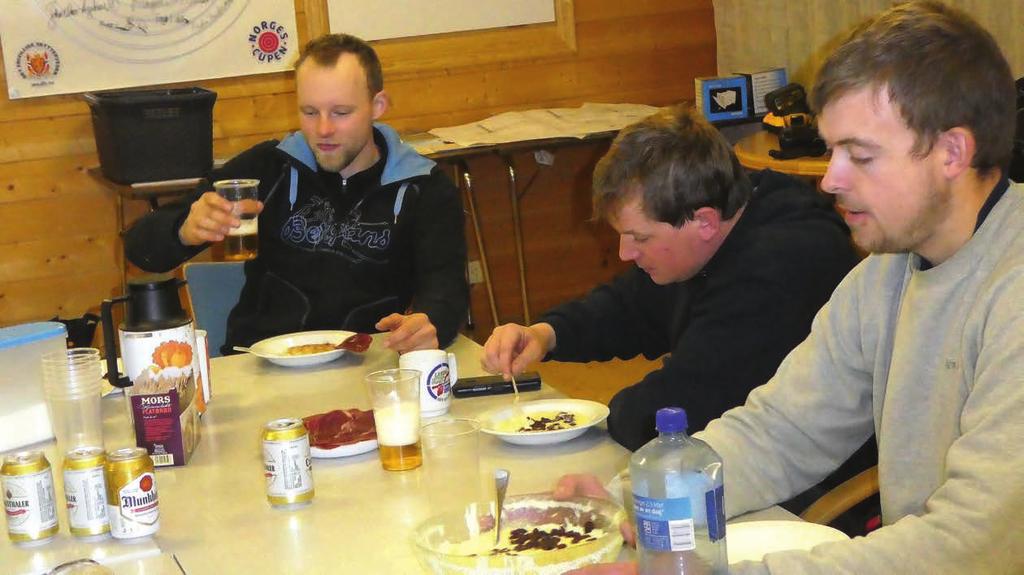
{"x":268,"y":41}
{"x":38,"y":60}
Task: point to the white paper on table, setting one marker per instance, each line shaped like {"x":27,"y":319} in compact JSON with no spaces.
{"x":590,"y":118}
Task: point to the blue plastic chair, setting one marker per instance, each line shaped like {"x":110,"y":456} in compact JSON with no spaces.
{"x":213,"y":290}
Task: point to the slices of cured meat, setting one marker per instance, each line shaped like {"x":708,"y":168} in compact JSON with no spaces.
{"x":358,"y":342}
{"x":340,"y":427}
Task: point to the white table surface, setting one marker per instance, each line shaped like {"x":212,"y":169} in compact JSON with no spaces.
{"x":214,"y":516}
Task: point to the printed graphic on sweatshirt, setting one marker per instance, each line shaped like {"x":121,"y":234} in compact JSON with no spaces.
{"x":316,"y":228}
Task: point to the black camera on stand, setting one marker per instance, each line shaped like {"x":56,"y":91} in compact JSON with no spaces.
{"x":790,"y":117}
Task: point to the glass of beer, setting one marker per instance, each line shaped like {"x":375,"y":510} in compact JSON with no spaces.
{"x":395,"y":397}
{"x":241,"y":242}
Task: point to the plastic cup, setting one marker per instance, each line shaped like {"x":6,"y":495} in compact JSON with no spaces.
{"x":451,"y":462}
{"x":72,"y":386}
{"x":242,"y":242}
{"x":395,"y":397}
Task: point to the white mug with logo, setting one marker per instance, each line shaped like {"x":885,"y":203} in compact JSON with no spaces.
{"x":438,"y":371}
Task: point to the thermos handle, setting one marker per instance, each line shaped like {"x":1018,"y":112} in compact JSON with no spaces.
{"x":113,"y":375}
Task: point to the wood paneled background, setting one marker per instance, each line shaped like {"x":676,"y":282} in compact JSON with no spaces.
{"x":61,"y":252}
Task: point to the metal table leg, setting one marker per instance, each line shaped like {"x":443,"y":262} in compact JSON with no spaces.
{"x":518,"y":234}
{"x":467,"y":178}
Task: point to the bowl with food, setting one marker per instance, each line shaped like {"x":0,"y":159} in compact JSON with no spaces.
{"x":544,"y":421}
{"x":539,"y":536}
{"x":301,"y":349}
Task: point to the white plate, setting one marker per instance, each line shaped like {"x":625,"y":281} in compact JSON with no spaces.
{"x":344,"y":450}
{"x":275,"y":349}
{"x":752,"y":540}
{"x":588,"y":414}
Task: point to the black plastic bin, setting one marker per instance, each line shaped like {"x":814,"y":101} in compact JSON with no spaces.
{"x":153,"y":135}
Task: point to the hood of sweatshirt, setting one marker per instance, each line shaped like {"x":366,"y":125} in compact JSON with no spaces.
{"x":403,"y":162}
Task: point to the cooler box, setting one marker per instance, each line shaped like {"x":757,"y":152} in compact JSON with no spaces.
{"x":153,"y":135}
{"x":23,"y":419}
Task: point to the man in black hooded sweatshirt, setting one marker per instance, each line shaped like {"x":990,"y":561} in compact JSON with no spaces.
{"x":729,"y":273}
{"x":356,"y":230}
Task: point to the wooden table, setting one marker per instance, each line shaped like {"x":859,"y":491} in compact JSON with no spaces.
{"x":752,"y":152}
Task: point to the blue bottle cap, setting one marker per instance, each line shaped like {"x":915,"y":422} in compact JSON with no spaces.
{"x":670,"y":420}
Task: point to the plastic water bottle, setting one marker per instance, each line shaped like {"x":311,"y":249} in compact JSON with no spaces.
{"x":678,"y":499}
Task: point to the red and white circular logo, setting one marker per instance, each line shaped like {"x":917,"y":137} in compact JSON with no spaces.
{"x":268,"y":41}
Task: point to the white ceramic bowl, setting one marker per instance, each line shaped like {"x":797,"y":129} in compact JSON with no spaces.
{"x":752,"y":540}
{"x":433,"y":538}
{"x":275,"y":349}
{"x":503,"y":422}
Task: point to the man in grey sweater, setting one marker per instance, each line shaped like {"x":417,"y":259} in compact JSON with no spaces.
{"x":923,"y":343}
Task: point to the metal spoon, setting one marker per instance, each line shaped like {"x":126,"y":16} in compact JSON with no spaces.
{"x":500,"y":487}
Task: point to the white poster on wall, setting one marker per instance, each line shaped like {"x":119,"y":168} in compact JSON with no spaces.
{"x":375,"y":20}
{"x":64,"y":46}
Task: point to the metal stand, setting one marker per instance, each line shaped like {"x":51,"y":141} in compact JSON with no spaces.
{"x":467,"y":179}
{"x":518,"y":234}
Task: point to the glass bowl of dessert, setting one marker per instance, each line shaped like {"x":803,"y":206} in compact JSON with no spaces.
{"x":539,"y":536}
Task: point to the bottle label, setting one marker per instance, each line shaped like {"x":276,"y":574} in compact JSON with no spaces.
{"x":665,"y":524}
{"x":715,"y":502}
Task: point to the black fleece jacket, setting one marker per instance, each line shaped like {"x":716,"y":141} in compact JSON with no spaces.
{"x":340,"y":254}
{"x":727,"y":329}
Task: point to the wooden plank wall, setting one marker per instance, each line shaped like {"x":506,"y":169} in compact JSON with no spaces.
{"x":61,"y":253}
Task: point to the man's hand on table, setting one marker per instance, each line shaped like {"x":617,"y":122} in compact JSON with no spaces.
{"x":211,"y":217}
{"x":513,"y":347}
{"x":408,"y":332}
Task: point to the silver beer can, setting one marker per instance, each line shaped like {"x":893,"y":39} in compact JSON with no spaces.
{"x":85,"y":492}
{"x":26,"y":480}
{"x":287,"y":464}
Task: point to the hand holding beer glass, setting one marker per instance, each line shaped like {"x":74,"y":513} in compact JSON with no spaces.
{"x":395,"y":398}
{"x":241,"y":243}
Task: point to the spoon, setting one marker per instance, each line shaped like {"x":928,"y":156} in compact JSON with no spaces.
{"x":500,"y":487}
{"x":517,"y":410}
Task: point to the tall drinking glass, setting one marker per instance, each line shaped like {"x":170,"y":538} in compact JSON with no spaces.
{"x":395,"y":397}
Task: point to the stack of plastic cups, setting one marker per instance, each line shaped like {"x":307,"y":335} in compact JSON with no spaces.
{"x":72,"y":384}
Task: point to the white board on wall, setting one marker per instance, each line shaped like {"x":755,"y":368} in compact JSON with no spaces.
{"x":65,"y":46}
{"x":375,"y":20}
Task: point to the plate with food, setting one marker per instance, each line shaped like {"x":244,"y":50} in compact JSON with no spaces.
{"x":341,"y":433}
{"x":544,"y":421}
{"x":303,"y":348}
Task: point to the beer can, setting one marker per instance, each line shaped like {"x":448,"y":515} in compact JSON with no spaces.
{"x":287,"y":465}
{"x":29,"y":502}
{"x":85,"y":492}
{"x":132,"y":503}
